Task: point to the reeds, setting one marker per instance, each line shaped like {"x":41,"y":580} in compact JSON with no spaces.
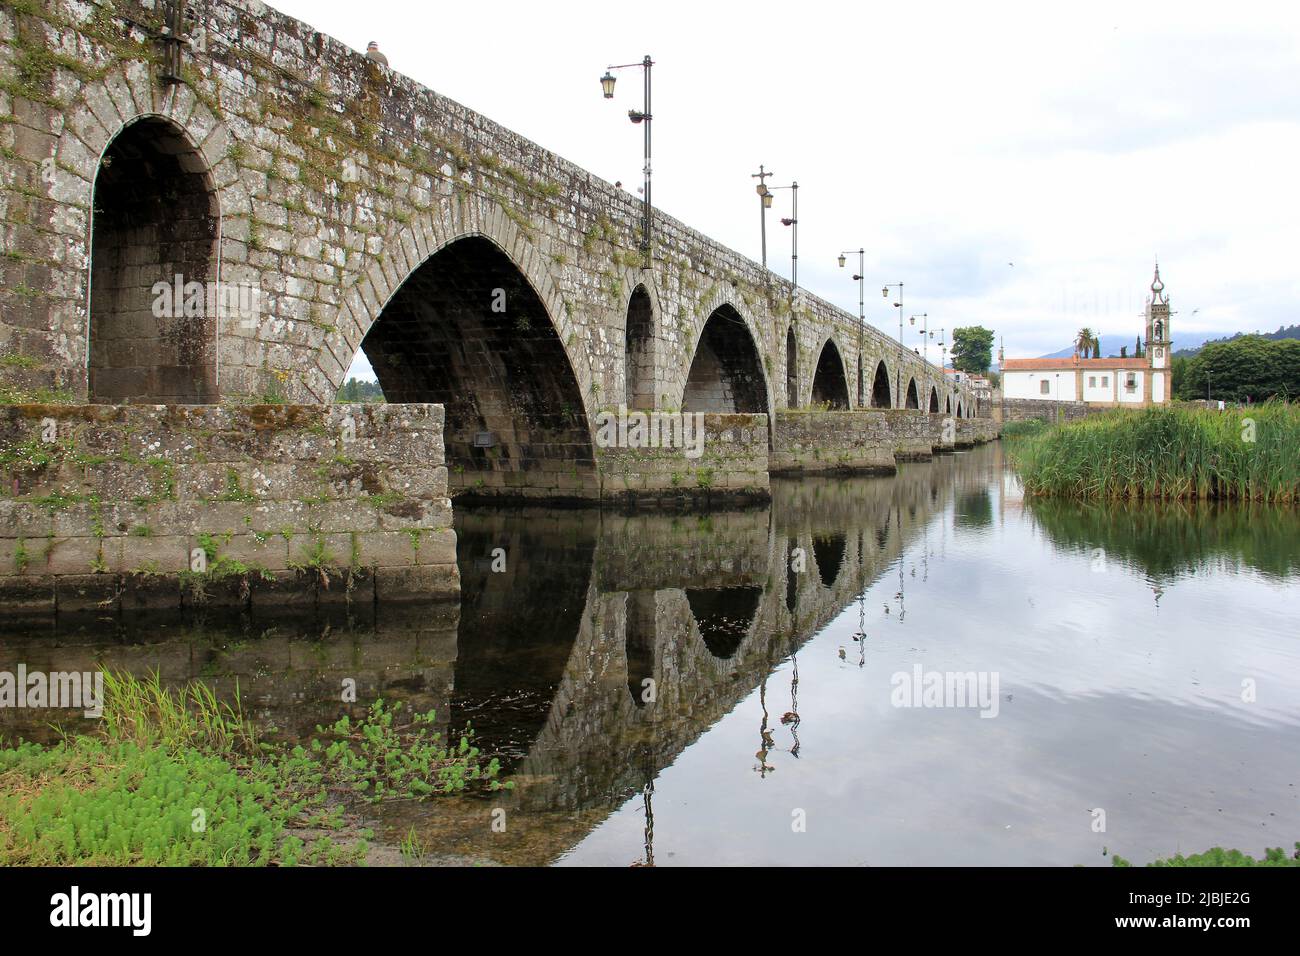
{"x":1250,"y":454}
{"x":142,"y":711}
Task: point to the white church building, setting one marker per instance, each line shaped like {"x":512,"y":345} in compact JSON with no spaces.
{"x":1119,"y":382}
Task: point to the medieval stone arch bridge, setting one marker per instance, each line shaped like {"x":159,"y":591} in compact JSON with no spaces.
{"x":357,"y":210}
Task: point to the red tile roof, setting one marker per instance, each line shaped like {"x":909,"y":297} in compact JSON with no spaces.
{"x":1033,"y":364}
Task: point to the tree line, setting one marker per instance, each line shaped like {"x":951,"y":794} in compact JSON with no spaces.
{"x":1248,"y":368}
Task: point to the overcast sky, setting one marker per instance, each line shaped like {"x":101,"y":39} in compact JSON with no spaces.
{"x":1017,"y":166}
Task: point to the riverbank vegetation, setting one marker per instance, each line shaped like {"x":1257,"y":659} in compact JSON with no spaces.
{"x":1221,"y":857}
{"x":180,"y":778}
{"x":1178,"y":452}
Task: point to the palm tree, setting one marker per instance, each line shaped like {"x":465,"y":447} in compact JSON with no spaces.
{"x":1086,"y":341}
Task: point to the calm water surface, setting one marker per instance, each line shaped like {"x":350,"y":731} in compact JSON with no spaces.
{"x":1147,"y":664}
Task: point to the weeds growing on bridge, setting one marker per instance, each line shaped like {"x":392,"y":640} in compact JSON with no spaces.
{"x":177,"y":777}
{"x":1248,"y":454}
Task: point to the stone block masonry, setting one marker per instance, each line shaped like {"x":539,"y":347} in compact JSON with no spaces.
{"x":1021,"y":409}
{"x":168,"y":506}
{"x":811,"y":442}
{"x":731,"y":468}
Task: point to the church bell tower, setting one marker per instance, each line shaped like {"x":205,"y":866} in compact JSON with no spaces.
{"x":1159,"y":351}
{"x":1158,"y":339}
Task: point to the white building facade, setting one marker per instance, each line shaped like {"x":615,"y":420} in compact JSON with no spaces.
{"x":1119,"y":382}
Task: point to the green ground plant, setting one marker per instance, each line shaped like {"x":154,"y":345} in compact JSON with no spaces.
{"x":1221,"y":857}
{"x":179,"y":777}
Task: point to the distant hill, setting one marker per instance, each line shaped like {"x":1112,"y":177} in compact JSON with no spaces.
{"x":1283,"y":332}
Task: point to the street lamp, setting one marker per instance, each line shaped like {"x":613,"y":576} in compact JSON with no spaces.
{"x":642,"y":117}
{"x":943,"y":356}
{"x":764,"y":204}
{"x":793,"y":223}
{"x":925,"y":333}
{"x":862,"y":310}
{"x":898,"y":373}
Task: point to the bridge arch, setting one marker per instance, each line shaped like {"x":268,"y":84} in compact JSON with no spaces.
{"x":947,"y":404}
{"x":726,"y":371}
{"x":791,"y":369}
{"x":201,"y":150}
{"x":467,"y":328}
{"x":154,"y":264}
{"x":881,"y":396}
{"x":639,"y":350}
{"x":829,"y":386}
{"x":404,"y":249}
{"x":913,"y":399}
{"x":934,"y":399}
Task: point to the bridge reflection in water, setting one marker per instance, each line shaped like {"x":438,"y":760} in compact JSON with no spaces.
{"x":601,"y":651}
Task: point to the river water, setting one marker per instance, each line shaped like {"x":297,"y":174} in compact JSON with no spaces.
{"x":921,"y":669}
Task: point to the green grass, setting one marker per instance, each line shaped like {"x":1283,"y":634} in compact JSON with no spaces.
{"x":1023,"y":429}
{"x":178,"y":777}
{"x":1166,"y":453}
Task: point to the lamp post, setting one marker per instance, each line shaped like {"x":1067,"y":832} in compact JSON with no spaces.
{"x":643,"y":117}
{"x":898,"y":372}
{"x":764,"y":204}
{"x":793,"y":223}
{"x":925,"y":333}
{"x":862,"y":309}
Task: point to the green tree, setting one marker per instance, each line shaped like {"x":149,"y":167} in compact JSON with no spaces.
{"x":972,"y":349}
{"x":1250,"y":367}
{"x":1177,"y":375}
{"x":1085,"y":341}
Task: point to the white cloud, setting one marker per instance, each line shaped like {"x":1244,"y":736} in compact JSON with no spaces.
{"x":948,"y":139}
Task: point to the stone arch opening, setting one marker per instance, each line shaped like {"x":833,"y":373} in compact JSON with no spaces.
{"x":947,"y":404}
{"x":467,"y":330}
{"x":791,"y":369}
{"x":880,"y":395}
{"x":913,"y":399}
{"x":726,"y":373}
{"x":724,"y":616}
{"x":829,"y":387}
{"x":638,"y":338}
{"x":829,"y":551}
{"x":959,"y":408}
{"x":154,"y":298}
{"x":639,"y":643}
{"x":934,"y":399}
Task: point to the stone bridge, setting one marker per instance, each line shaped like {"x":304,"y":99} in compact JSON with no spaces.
{"x":314,"y":203}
